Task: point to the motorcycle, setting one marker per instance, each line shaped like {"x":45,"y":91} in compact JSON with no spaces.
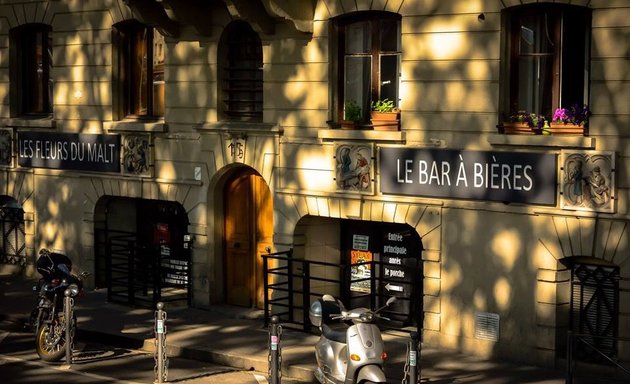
{"x":348,"y":353}
{"x":48,"y":319}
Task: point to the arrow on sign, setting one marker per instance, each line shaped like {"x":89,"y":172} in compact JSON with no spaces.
{"x":396,"y":288}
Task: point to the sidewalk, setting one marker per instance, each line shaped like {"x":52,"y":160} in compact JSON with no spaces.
{"x":222,"y":335}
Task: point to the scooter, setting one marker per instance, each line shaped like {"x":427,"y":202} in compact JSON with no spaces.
{"x":346,"y":353}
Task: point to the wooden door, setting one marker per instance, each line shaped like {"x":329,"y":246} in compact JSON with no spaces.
{"x":264,"y":233}
{"x":248,"y":231}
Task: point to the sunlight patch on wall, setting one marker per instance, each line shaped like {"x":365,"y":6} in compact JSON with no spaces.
{"x":480,"y":301}
{"x":502,"y":293}
{"x":166,"y":171}
{"x":50,"y":232}
{"x":313,"y":180}
{"x":53,"y":207}
{"x":506,"y":246}
{"x":446,"y":45}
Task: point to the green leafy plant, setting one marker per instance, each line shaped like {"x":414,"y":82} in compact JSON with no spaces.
{"x":533,"y":120}
{"x":352,"y":111}
{"x":384,"y":105}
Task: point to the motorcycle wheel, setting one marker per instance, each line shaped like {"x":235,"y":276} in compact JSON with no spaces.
{"x":50,"y":340}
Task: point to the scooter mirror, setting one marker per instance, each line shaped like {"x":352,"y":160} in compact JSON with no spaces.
{"x":390,"y":301}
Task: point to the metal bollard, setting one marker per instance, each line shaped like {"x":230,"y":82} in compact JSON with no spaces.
{"x":413,"y":359}
{"x":275,"y":355}
{"x":67,"y":308}
{"x":569,"y":378}
{"x":161,"y":361}
{"x":412,"y":368}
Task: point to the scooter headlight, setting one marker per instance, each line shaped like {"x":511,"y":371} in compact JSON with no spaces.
{"x":367,"y":317}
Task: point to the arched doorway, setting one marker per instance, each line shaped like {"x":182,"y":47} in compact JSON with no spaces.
{"x":248,"y":231}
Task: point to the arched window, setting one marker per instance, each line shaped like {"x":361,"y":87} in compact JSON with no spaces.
{"x":241,"y":74}
{"x":545,"y":58}
{"x":30,"y":69}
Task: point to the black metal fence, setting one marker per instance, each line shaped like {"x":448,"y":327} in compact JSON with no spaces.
{"x":291,"y":284}
{"x":141,"y":275}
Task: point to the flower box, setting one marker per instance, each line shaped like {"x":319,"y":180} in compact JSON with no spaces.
{"x":560,"y":128}
{"x":385,"y":121}
{"x":518,"y":129}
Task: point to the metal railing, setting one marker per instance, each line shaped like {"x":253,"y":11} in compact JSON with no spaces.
{"x":575,"y":340}
{"x":291,"y":284}
{"x":137,"y":274}
{"x":284,"y":287}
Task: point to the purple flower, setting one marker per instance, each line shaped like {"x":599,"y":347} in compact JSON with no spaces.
{"x":577,"y":114}
{"x":560,"y":115}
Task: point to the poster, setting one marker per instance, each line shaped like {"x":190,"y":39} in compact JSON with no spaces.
{"x":360,"y":271}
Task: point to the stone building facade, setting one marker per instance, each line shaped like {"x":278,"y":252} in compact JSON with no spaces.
{"x":213,"y":132}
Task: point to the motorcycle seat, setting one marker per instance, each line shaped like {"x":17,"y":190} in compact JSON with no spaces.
{"x":335,"y":332}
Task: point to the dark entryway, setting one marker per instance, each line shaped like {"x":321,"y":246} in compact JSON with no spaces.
{"x":143,"y":251}
{"x":367,"y":263}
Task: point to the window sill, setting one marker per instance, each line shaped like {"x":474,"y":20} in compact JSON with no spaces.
{"x":548,"y":141}
{"x":133,"y":125}
{"x":361,"y":134}
{"x":31,"y":122}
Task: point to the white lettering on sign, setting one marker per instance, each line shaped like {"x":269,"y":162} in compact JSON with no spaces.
{"x":485,"y":175}
{"x":395,"y":249}
{"x":394,"y":237}
{"x":394,"y":273}
{"x":395,"y":260}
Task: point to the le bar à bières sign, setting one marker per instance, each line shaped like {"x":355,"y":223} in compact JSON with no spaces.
{"x":69,"y":151}
{"x":511,"y":177}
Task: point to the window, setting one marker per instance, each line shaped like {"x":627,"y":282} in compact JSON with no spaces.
{"x":138,"y":81}
{"x":367,"y":48}
{"x":546,"y":58}
{"x":30,"y":67}
{"x":241,"y":75}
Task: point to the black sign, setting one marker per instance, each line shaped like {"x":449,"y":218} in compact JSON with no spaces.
{"x":399,"y":264}
{"x":72,"y":151}
{"x":516,"y":177}
{"x":174,"y":272}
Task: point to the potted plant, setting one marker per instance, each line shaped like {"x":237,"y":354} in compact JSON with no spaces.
{"x":567,"y":121}
{"x":351,"y":114}
{"x":571,"y":120}
{"x":385,"y":115}
{"x":524,"y":123}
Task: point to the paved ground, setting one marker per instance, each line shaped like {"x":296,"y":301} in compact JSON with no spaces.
{"x":97,"y":363}
{"x":221,"y":335}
